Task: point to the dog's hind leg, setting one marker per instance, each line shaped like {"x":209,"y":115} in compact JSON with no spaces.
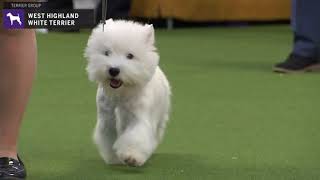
{"x":105,"y":132}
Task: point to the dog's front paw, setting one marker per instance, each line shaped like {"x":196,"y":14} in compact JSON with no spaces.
{"x":131,"y":157}
{"x":113,"y":160}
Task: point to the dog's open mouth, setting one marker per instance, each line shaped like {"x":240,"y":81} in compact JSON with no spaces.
{"x":115,"y":83}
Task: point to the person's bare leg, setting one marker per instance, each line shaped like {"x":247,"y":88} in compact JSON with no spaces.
{"x":17,"y":68}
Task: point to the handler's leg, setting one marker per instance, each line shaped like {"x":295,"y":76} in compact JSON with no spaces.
{"x":17,"y":68}
{"x":306,"y":28}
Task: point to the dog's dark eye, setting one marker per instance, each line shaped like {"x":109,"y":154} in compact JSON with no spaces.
{"x":107,"y":53}
{"x":130,"y":56}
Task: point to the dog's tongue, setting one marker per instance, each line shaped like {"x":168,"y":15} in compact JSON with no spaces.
{"x":115,"y":83}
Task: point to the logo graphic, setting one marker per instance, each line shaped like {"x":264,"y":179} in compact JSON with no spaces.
{"x":13,"y":18}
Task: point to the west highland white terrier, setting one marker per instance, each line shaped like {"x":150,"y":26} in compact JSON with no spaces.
{"x":133,"y":96}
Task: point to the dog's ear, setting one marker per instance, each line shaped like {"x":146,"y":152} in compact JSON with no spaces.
{"x":109,"y":21}
{"x":150,"y":34}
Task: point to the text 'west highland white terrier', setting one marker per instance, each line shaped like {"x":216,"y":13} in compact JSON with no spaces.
{"x":133,"y":97}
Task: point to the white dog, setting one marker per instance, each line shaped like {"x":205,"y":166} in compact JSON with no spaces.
{"x":14,"y":18}
{"x":133,"y":97}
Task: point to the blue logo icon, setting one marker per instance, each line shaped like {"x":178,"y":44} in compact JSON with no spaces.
{"x":13,"y":18}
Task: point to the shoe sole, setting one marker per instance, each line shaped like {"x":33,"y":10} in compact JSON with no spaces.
{"x":313,"y":68}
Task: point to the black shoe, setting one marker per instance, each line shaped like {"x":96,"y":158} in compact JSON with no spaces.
{"x":295,"y":63}
{"x":12,"y":169}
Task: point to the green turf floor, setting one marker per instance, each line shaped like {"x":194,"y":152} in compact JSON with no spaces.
{"x":232,"y":118}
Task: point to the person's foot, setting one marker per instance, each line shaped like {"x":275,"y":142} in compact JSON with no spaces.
{"x":12,"y":169}
{"x":295,"y":63}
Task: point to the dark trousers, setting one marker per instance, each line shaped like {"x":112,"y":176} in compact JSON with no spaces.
{"x":306,"y":27}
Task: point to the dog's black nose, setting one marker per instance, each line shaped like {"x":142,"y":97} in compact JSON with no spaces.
{"x":114,"y":71}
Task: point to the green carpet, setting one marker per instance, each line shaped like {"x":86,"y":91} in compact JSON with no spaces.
{"x":232,"y":118}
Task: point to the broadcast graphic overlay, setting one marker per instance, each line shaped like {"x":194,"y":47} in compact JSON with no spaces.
{"x":33,"y":15}
{"x":13,"y":18}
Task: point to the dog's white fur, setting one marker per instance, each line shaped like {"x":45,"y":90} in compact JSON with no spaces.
{"x":14,"y":18}
{"x":132,"y":118}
